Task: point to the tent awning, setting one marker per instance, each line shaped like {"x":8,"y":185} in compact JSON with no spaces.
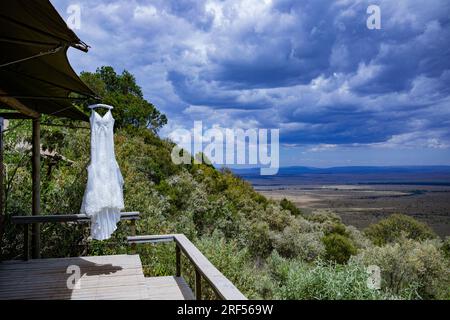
{"x":34,"y":68}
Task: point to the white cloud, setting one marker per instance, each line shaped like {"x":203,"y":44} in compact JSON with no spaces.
{"x":322,"y":147}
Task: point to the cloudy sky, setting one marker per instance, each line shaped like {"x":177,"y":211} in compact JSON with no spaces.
{"x":340,"y":94}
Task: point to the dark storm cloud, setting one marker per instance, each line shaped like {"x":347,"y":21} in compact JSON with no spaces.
{"x":310,"y":68}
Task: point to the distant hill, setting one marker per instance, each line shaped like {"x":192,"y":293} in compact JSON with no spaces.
{"x":296,"y":170}
{"x":411,"y":175}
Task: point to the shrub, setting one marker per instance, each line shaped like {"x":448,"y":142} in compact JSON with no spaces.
{"x":292,"y":243}
{"x":358,"y":238}
{"x":231,"y":261}
{"x":410,"y":268}
{"x":277,"y":217}
{"x":446,"y":247}
{"x":392,"y":228}
{"x":338,"y":248}
{"x":330,"y":227}
{"x":258,"y":239}
{"x":323,"y":215}
{"x":302,"y":281}
{"x":288,"y":205}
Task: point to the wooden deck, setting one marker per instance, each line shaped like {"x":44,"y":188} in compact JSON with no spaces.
{"x":168,"y":288}
{"x":101,"y":277}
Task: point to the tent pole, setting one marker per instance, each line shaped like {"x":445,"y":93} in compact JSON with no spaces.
{"x":36,"y":178}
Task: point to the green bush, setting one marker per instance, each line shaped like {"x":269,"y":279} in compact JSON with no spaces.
{"x":292,"y":243}
{"x":276,"y":217}
{"x":288,"y":205}
{"x":446,"y":247}
{"x":232,"y":261}
{"x":338,"y":248}
{"x":395,"y":226}
{"x":324,"y":215}
{"x":302,"y":281}
{"x":358,"y":238}
{"x":258,"y":239}
{"x":334,"y":227}
{"x":412,"y":269}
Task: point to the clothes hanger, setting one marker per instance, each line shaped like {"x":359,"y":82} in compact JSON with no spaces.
{"x":101,"y":105}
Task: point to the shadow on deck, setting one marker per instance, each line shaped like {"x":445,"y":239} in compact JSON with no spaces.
{"x":100,"y":277}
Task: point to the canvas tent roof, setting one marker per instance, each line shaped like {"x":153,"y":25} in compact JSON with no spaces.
{"x":34,"y":68}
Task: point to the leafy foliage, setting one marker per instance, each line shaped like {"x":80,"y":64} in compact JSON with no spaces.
{"x":446,"y":248}
{"x":410,"y":268}
{"x":302,"y":281}
{"x":338,"y":248}
{"x":395,"y":226}
{"x":300,"y":239}
{"x":288,"y":205}
{"x":231,"y":260}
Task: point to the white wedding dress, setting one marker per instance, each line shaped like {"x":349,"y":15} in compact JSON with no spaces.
{"x":103,"y":198}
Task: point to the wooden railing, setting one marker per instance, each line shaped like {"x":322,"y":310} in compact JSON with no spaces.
{"x":26,"y":221}
{"x":203,"y":268}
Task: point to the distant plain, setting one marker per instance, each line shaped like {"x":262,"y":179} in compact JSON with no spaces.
{"x":364,"y":198}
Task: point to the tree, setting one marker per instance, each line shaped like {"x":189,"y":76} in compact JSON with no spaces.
{"x":122,"y":92}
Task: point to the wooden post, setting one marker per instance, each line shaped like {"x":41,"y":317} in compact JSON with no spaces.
{"x":1,"y":173}
{"x":178,"y":260}
{"x":19,"y":106}
{"x":2,"y":195}
{"x":198,"y":285}
{"x":133,"y":233}
{"x":36,"y":190}
{"x":133,"y":227}
{"x":26,"y":242}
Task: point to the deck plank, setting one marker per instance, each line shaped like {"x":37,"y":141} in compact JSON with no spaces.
{"x":168,"y":288}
